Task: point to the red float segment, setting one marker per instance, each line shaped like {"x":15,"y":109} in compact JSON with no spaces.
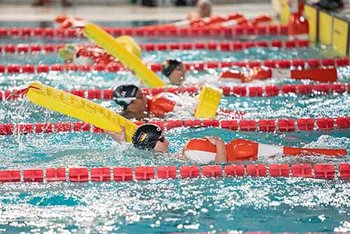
{"x":322,"y":88}
{"x":325,"y":123}
{"x":170,"y":124}
{"x":234,"y":170}
{"x":304,"y":89}
{"x":344,"y":171}
{"x":306,"y":124}
{"x":24,"y":128}
{"x":338,"y":88}
{"x":272,"y":90}
{"x":13,"y":68}
{"x":78,"y":174}
{"x":240,"y":91}
{"x":56,"y":174}
{"x":28,"y":68}
{"x":43,"y":128}
{"x":247,"y":125}
{"x":36,"y":175}
{"x":324,"y":171}
{"x":81,"y":126}
{"x":63,"y":127}
{"x":212,"y":171}
{"x":101,"y":174}
{"x":286,"y":125}
{"x":122,"y":174}
{"x":42,"y":68}
{"x":6,"y":129}
{"x":189,"y":171}
{"x":289,"y":89}
{"x":10,"y":176}
{"x":144,"y":173}
{"x":341,"y":122}
{"x":256,"y":170}
{"x":255,"y":91}
{"x":167,"y":172}
{"x":279,"y":170}
{"x":302,"y":170}
{"x":267,"y":125}
{"x":230,"y":124}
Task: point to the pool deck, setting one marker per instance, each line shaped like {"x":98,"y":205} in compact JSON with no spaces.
{"x":25,"y":12}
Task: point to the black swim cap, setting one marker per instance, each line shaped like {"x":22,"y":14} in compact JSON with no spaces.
{"x":169,"y":66}
{"x":146,"y":136}
{"x":124,"y":94}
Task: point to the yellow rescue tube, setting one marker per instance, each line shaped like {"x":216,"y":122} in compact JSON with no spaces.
{"x":209,"y":101}
{"x":117,"y":50}
{"x":130,"y":44}
{"x":80,"y":108}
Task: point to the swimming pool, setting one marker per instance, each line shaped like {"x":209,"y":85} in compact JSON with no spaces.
{"x":201,"y":204}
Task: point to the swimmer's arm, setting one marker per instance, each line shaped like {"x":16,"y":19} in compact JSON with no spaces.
{"x":220,"y":149}
{"x":117,"y":136}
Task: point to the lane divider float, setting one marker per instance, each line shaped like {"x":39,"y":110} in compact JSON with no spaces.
{"x":227,"y":32}
{"x":157,"y":67}
{"x":263,"y":125}
{"x":222,"y":46}
{"x":239,"y":91}
{"x":146,"y":173}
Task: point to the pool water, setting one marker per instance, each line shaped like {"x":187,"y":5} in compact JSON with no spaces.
{"x":195,"y":205}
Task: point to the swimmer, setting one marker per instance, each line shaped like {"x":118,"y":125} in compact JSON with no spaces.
{"x":133,"y":101}
{"x":175,"y":70}
{"x":85,"y":55}
{"x":213,"y":149}
{"x":203,"y":8}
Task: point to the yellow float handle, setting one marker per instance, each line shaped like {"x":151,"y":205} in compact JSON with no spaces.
{"x":209,"y":101}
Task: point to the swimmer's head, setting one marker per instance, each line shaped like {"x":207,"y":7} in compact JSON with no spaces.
{"x":175,"y":70}
{"x":131,"y":98}
{"x":123,"y":95}
{"x":150,"y":137}
{"x":67,"y":52}
{"x":204,"y":8}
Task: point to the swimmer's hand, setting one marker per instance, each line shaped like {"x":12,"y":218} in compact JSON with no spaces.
{"x":117,"y":136}
{"x":220,"y":148}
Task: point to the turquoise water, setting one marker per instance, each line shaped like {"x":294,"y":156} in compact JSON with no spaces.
{"x":201,"y":205}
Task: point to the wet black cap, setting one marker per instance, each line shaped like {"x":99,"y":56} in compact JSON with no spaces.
{"x":169,"y":66}
{"x":146,"y":136}
{"x":124,"y":94}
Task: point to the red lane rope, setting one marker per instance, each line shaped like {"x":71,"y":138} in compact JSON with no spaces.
{"x":264,"y":125}
{"x":242,"y":91}
{"x":157,"y":67}
{"x":119,"y":174}
{"x":222,"y":46}
{"x":227,"y":32}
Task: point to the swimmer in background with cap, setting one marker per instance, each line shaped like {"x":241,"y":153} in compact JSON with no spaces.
{"x":133,"y":101}
{"x":203,"y":10}
{"x":175,"y":71}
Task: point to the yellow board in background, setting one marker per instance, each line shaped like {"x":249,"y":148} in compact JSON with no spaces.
{"x":325,"y":29}
{"x":117,"y":50}
{"x":310,"y":13}
{"x":285,"y":12}
{"x":209,"y":100}
{"x":79,"y":108}
{"x":340,"y":36}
